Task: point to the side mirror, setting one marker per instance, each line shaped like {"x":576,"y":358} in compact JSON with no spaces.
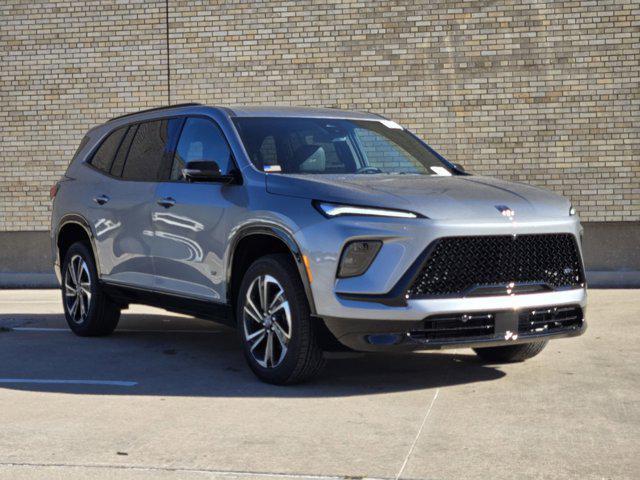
{"x":459,"y":167}
{"x":205,"y":171}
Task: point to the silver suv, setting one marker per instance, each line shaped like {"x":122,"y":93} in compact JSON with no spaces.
{"x":311,"y":230}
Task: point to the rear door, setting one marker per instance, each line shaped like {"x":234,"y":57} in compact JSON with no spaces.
{"x":190,"y":221}
{"x":123,"y":207}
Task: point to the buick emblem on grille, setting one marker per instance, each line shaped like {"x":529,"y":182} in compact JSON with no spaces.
{"x":505,"y":211}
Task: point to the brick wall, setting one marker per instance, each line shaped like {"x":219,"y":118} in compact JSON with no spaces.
{"x":66,"y":66}
{"x":540,"y":92}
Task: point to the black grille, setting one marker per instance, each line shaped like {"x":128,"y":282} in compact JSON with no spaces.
{"x":457,"y":326}
{"x":459,"y":265}
{"x":549,"y":320}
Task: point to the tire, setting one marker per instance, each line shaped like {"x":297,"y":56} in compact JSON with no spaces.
{"x":295,"y":355}
{"x":511,"y":353}
{"x":95,"y":314}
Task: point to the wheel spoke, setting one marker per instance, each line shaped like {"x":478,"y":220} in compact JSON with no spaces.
{"x":87,"y":294}
{"x":257,"y":314}
{"x":86,"y":290}
{"x":284,"y":305}
{"x":262,"y":292}
{"x":69,"y":291}
{"x":72,"y":273}
{"x":249,"y":312}
{"x":79,"y":271}
{"x":82,"y":308}
{"x":283,"y":352}
{"x":281,"y":332}
{"x":74,"y":308}
{"x":255,"y":334}
{"x":279,"y":296}
{"x":280,"y":335}
{"x":258,"y":340}
{"x":268,"y":352}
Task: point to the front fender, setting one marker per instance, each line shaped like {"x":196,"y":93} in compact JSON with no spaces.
{"x":280,"y":232}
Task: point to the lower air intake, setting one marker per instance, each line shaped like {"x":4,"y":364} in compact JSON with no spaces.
{"x":549,"y":320}
{"x":456,"y":327}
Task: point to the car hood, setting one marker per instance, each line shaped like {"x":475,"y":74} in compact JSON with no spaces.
{"x":437,"y":197}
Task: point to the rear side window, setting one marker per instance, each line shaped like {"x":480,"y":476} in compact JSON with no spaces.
{"x":146,"y":154}
{"x":103,"y":157}
{"x":121,"y":156}
{"x":201,"y":139}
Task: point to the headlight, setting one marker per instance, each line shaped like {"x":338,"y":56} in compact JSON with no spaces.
{"x":572,"y":210}
{"x":357,"y":257}
{"x":336,"y":210}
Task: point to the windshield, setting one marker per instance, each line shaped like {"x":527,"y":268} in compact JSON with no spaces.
{"x":328,"y":146}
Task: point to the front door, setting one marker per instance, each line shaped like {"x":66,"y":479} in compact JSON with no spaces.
{"x":190,"y":221}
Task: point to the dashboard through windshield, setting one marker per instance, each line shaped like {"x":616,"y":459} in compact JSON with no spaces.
{"x":335,"y":146}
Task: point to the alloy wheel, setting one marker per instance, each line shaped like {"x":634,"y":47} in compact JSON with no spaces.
{"x":266,"y":321}
{"x":77,"y":289}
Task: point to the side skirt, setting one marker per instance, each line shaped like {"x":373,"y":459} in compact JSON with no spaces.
{"x":218,"y":312}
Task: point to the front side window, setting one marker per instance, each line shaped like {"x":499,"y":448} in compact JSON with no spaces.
{"x":330,"y":146}
{"x":103,"y":157}
{"x":147,"y":151}
{"x":201,"y":140}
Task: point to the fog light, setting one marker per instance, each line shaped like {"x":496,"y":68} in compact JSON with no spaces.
{"x":357,"y":256}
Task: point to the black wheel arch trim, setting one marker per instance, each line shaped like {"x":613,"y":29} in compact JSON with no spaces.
{"x":280,"y":233}
{"x":77,"y":219}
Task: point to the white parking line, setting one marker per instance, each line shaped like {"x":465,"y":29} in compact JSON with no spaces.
{"x":39,"y":329}
{"x":113,"y":383}
{"x":123,"y":330}
{"x":4,"y":302}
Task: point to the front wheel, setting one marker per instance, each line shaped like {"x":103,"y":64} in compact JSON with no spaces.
{"x":511,"y":353}
{"x":275,"y":323}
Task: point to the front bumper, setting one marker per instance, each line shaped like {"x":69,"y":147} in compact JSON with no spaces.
{"x":469,"y":322}
{"x":404,"y":243}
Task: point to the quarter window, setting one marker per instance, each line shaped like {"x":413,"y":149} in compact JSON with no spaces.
{"x":103,"y":157}
{"x":200,"y":140}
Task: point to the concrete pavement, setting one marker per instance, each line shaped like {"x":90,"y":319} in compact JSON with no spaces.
{"x":170,"y":397}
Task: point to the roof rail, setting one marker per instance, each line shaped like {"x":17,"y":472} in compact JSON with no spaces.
{"x":194,"y":104}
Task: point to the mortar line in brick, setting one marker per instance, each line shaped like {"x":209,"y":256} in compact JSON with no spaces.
{"x":166,"y":4}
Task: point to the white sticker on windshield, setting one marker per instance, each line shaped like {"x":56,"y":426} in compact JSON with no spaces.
{"x":441,"y":171}
{"x":391,"y":124}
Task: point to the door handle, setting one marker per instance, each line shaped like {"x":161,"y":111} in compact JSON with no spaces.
{"x":166,"y":202}
{"x":101,"y":200}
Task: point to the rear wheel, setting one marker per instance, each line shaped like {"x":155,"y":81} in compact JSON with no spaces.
{"x":87,"y":309}
{"x":511,"y":353}
{"x":274,"y":323}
